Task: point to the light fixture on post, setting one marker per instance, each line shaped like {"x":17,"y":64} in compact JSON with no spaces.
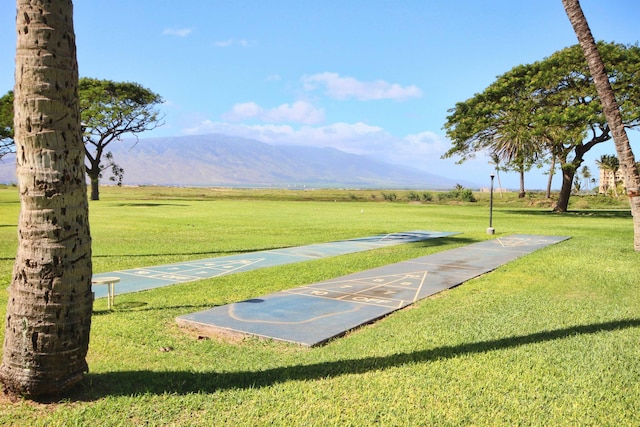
{"x":491,"y":230}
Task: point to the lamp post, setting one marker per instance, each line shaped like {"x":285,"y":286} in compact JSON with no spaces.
{"x":491,"y":230}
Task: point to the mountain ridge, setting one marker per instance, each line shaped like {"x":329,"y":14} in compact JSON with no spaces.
{"x":222,"y":160}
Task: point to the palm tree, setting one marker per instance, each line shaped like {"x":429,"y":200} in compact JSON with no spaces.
{"x":495,"y":160}
{"x":577,"y":185}
{"x":515,"y":149}
{"x":610,"y":163}
{"x":50,"y":300}
{"x":586,"y":175}
{"x":611,"y":111}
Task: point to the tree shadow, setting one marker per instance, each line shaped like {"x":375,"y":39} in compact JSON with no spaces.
{"x":210,"y":253}
{"x":147,"y":205}
{"x":447,"y":240}
{"x":127,"y":383}
{"x":594,"y":213}
{"x":138,"y":306}
{"x":440,"y":241}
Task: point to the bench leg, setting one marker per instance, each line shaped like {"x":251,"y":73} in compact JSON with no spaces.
{"x":111,"y":296}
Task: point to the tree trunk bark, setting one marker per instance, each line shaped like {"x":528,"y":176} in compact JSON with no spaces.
{"x":611,"y":111}
{"x":95,"y":189}
{"x":523,"y":192}
{"x":93,"y":171}
{"x":568,"y":172}
{"x":50,"y":300}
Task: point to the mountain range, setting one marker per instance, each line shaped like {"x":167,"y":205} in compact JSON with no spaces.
{"x":221,"y":160}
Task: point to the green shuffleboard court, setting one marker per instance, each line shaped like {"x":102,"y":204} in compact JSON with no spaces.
{"x":311,"y":315}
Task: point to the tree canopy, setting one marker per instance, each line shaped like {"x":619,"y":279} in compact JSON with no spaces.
{"x":110,"y":110}
{"x":546,"y":110}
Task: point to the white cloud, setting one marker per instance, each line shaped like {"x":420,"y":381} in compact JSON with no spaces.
{"x":349,"y":87}
{"x":427,"y":144}
{"x":357,"y":138}
{"x":298,"y":112}
{"x":244,"y":110}
{"x":234,"y":42}
{"x":178,"y":32}
{"x":224,"y":43}
{"x":266,"y":133}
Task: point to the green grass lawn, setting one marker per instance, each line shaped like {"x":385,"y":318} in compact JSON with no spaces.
{"x":549,"y":339}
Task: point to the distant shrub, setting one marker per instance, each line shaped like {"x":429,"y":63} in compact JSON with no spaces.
{"x":390,"y":197}
{"x":464,"y":195}
{"x":467,"y":195}
{"x":415,"y":196}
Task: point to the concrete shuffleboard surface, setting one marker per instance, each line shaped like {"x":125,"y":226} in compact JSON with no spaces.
{"x":313,"y":314}
{"x":145,"y":278}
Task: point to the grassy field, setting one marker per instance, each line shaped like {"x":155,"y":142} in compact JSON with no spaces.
{"x":549,"y":339}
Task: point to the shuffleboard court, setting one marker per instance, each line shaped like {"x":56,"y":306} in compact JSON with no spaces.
{"x":140,"y":279}
{"x":311,"y":315}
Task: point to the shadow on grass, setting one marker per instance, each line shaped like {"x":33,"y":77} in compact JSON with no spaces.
{"x":441,"y":241}
{"x":138,"y":306}
{"x":208,"y":254}
{"x":97,"y":386}
{"x":229,"y":252}
{"x":447,"y":240}
{"x":146,"y":205}
{"x":593,"y":213}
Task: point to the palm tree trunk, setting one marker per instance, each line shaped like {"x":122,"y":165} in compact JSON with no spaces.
{"x":523,"y":192}
{"x":552,"y":170}
{"x":50,"y":299}
{"x":611,"y":111}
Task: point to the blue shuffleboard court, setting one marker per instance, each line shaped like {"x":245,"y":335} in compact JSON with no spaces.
{"x":311,"y":315}
{"x":140,"y":279}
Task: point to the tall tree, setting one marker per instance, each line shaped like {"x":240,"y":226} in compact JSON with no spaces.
{"x":555,"y":103}
{"x":109,"y":111}
{"x":50,"y":300}
{"x":518,"y":151}
{"x":6,"y":124}
{"x":611,"y":111}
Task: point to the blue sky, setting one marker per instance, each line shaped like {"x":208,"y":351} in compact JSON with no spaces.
{"x":370,"y":77}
